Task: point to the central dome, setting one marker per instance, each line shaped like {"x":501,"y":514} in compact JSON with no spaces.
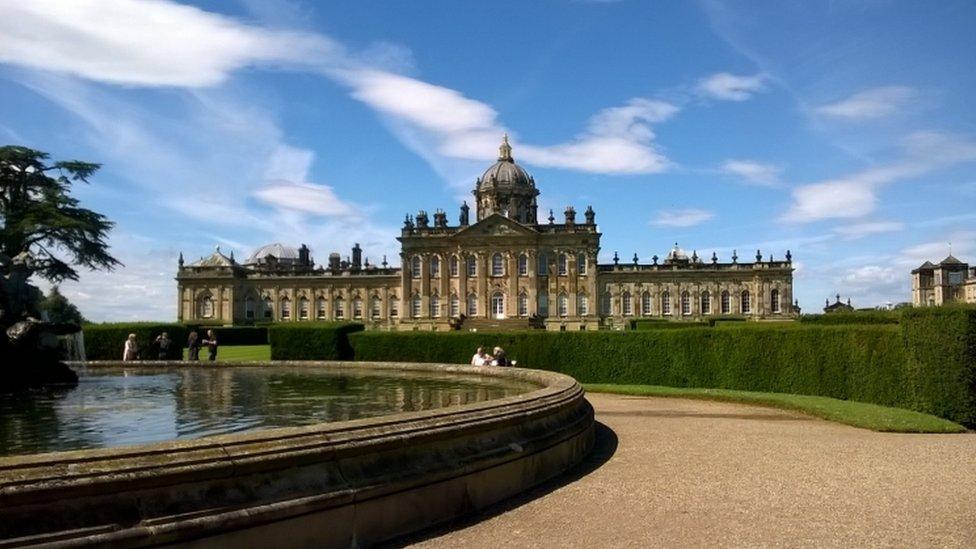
{"x":280,"y":252}
{"x":505,"y":172}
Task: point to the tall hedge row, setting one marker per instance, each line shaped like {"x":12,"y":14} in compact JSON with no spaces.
{"x":853,"y":317}
{"x":312,"y":340}
{"x":941,"y":343}
{"x":851,"y":362}
{"x":106,"y":341}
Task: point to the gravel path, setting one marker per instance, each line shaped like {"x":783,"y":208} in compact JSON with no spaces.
{"x":680,"y":473}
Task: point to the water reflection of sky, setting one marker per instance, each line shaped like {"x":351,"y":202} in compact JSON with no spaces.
{"x":135,"y":406}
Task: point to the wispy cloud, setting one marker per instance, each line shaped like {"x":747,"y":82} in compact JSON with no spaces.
{"x":855,"y":195}
{"x":872,"y":103}
{"x":757,"y":173}
{"x":681,"y":218}
{"x":730,"y":87}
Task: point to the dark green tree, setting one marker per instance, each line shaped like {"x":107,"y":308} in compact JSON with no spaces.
{"x":59,"y":309}
{"x":39,"y":215}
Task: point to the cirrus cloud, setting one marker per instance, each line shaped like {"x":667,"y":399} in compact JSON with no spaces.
{"x":681,"y":218}
{"x":730,"y":87}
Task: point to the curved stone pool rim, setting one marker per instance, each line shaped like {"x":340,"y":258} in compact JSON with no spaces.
{"x":338,"y":484}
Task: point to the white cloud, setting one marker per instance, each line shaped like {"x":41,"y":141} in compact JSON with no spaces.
{"x":855,"y":196}
{"x":753,"y":172}
{"x":681,"y":218}
{"x":731,"y":87}
{"x":963,"y":245}
{"x":304,"y":197}
{"x":866,"y":228}
{"x":871,"y":103}
{"x":146,"y":42}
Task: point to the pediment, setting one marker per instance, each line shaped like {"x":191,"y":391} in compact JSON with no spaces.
{"x":496,"y":225}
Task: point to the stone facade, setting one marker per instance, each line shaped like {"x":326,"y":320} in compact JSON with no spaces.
{"x":951,"y":281}
{"x":506,"y":270}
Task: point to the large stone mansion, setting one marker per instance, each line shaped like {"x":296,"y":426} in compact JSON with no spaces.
{"x":502,"y":269}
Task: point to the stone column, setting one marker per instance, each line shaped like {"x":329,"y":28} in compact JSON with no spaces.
{"x":511,"y":263}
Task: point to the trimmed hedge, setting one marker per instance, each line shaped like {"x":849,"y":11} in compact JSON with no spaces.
{"x":233,"y":335}
{"x":941,"y":343}
{"x":927,"y":363}
{"x":106,"y":341}
{"x":655,"y":324}
{"x":853,"y":317}
{"x":312,"y":340}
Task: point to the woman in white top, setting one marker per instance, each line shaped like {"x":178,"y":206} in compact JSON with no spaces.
{"x":480,"y":358}
{"x":131,"y":351}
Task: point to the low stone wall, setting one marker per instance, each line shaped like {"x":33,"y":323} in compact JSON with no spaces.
{"x":328,"y":485}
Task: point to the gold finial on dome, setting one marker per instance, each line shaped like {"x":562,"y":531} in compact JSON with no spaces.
{"x":505,"y":150}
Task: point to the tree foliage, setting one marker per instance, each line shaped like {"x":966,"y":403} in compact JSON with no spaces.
{"x":39,"y":215}
{"x":59,"y":309}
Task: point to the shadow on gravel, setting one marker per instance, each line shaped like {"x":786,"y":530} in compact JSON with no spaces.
{"x":604,"y":446}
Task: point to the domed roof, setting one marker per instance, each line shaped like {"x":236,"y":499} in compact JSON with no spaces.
{"x":677,"y":254}
{"x":277,"y":250}
{"x":505,"y":172}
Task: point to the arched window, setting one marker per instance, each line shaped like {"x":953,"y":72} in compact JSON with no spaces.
{"x":394,"y":307}
{"x":523,"y":265}
{"x":774,"y":300}
{"x":268,"y":308}
{"x":542,"y":301}
{"x":320,"y":308}
{"x":415,"y":306}
{"x":339,"y":309}
{"x":435,"y":267}
{"x":497,"y":265}
{"x":563,"y":305}
{"x":543,"y":269}
{"x":581,"y":264}
{"x":606,"y":304}
{"x":374,"y":307}
{"x":746,"y":302}
{"x":435,"y":306}
{"x":249,"y":308}
{"x":646,"y":303}
{"x":205,"y":306}
{"x":523,"y":304}
{"x":561,"y":264}
{"x":706,"y":303}
{"x":453,"y":265}
{"x":472,"y":266}
{"x":415,"y":266}
{"x":472,"y":305}
{"x":628,"y":304}
{"x":357,"y":308}
{"x":454,"y":306}
{"x":582,"y":305}
{"x":285,"y":308}
{"x":685,"y":303}
{"x":665,"y":303}
{"x":303,"y":308}
{"x":726,"y":303}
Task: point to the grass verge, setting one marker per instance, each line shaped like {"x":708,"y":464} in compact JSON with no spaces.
{"x":238,"y":352}
{"x":856,"y":414}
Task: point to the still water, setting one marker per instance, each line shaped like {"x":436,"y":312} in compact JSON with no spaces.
{"x":119,"y":407}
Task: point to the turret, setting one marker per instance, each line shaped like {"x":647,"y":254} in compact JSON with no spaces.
{"x":357,"y":256}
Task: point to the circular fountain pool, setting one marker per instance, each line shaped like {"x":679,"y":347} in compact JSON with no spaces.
{"x":310,"y":454}
{"x":125,"y":406}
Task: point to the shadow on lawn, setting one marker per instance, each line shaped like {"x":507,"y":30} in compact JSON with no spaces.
{"x":604,"y":446}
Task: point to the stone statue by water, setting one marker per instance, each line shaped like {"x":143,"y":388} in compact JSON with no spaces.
{"x":30,"y":355}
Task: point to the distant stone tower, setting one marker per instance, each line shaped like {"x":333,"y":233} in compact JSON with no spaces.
{"x":507,"y":189}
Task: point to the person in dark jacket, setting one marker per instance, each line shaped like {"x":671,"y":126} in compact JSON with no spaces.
{"x":211,"y":343}
{"x":164,"y":343}
{"x":193,"y":347}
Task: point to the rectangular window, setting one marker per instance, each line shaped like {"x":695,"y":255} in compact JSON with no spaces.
{"x":543,"y":265}
{"x":472,"y":266}
{"x":340,"y":312}
{"x":455,"y":306}
{"x":628,"y":305}
{"x":543,"y":304}
{"x":523,"y":265}
{"x":523,"y":305}
{"x":320,"y":309}
{"x":581,"y":264}
{"x":394,"y":307}
{"x":666,"y":304}
{"x":375,"y":308}
{"x":561,"y":264}
{"x":583,"y":305}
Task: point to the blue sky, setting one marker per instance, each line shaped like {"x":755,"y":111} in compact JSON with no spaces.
{"x":843,"y":131}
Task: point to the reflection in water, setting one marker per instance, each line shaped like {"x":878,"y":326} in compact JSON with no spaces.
{"x":118,"y":407}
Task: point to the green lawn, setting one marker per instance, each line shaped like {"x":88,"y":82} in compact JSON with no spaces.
{"x":857,"y":414}
{"x":238,"y":352}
